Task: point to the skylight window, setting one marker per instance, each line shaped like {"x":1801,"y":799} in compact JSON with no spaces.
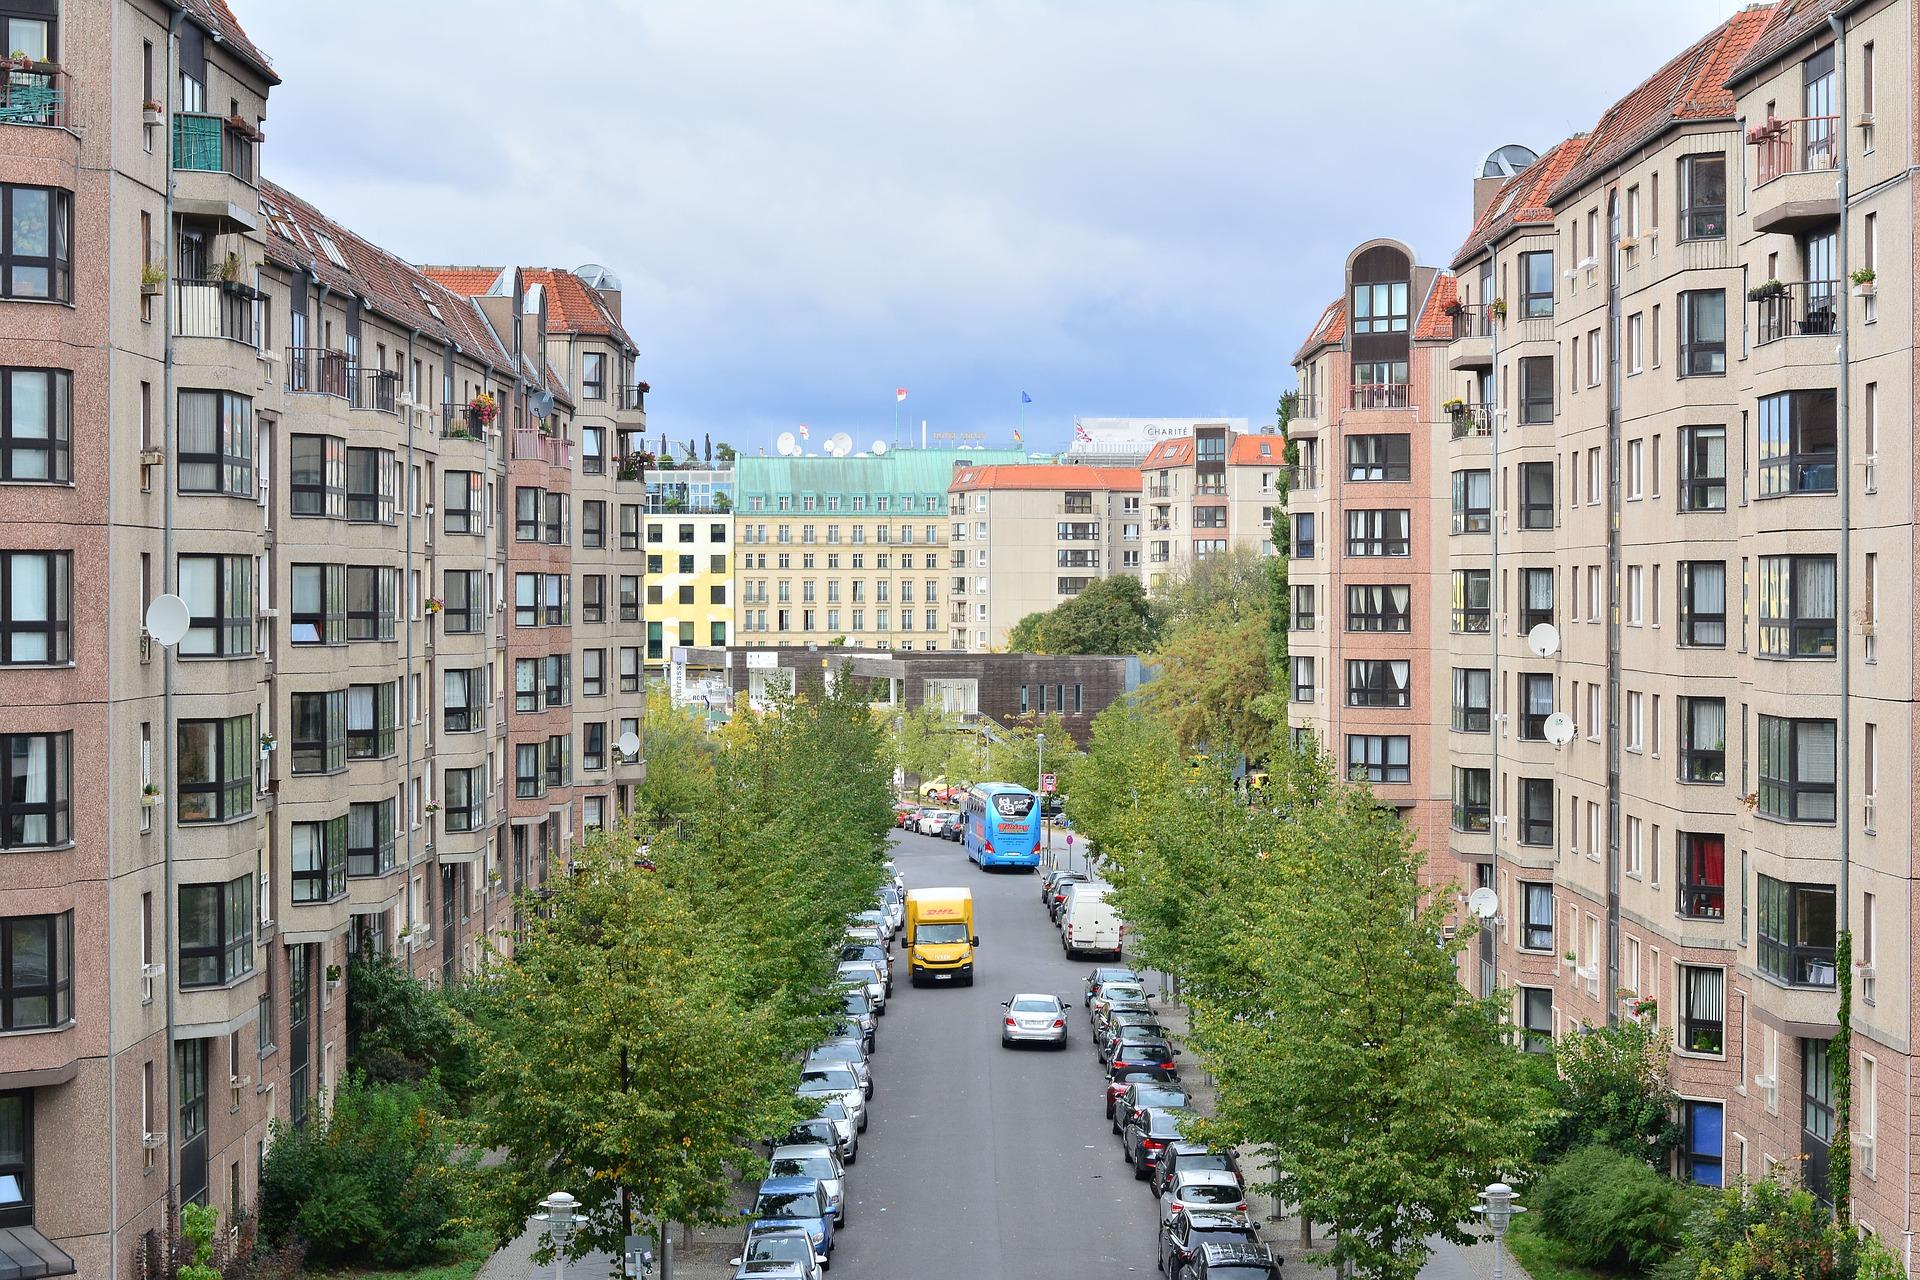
{"x":332,"y":250}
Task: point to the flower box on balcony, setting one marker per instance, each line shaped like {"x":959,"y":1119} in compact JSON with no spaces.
{"x":1454,"y":307}
{"x":1767,"y":289}
{"x":1768,"y":130}
{"x":152,"y":113}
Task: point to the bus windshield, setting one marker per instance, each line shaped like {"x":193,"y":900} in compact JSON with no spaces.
{"x":956,"y":932}
{"x":1013,"y":806}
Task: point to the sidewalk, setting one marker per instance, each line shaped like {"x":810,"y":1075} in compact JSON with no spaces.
{"x":700,"y":1256}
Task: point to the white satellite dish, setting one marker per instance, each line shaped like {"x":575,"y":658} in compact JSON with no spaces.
{"x":1544,"y":640}
{"x":541,"y":403}
{"x":1484,"y":903}
{"x":841,"y":445}
{"x":168,"y":619}
{"x":787,"y":444}
{"x":1558,"y":729}
{"x":879,"y":448}
{"x":629,"y":744}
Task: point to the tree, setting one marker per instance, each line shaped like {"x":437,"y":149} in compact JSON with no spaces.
{"x":931,"y":743}
{"x":679,"y":757}
{"x":1279,"y":594}
{"x":398,"y":1028}
{"x":1214,"y":590}
{"x":1215,"y":684}
{"x":1609,"y":1087}
{"x":1111,"y":616}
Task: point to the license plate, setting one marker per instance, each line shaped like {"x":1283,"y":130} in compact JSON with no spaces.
{"x":942,"y":976}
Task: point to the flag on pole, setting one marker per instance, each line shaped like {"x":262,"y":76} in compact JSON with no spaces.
{"x":899,"y":394}
{"x":803,"y":431}
{"x":1025,"y":398}
{"x":1016,"y":437}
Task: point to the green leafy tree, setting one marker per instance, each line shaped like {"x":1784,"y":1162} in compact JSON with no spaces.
{"x":1279,"y":593}
{"x":401,"y":1030}
{"x":1211,"y":591}
{"x":1767,"y":1231}
{"x":931,"y":743}
{"x":679,"y":758}
{"x":1215,"y":686}
{"x":1609,"y":1086}
{"x":1111,"y":616}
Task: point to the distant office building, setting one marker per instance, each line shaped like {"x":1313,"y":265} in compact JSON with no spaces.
{"x":1125,"y":442}
{"x":689,"y":545}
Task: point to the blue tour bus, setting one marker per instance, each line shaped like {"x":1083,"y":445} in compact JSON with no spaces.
{"x":1002,"y":826}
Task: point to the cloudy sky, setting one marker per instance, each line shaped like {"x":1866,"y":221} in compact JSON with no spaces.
{"x":1121,"y":208}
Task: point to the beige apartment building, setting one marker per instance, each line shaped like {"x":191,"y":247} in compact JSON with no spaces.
{"x":1677,"y":342}
{"x":1206,"y":492}
{"x":214,"y":391}
{"x":1040,"y":533}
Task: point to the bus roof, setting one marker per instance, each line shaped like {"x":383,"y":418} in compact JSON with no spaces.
{"x":999,"y":788}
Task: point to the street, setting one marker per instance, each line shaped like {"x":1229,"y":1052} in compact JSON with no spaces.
{"x":983,"y":1162}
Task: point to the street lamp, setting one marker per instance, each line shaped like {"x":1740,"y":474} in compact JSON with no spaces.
{"x":560,"y":1221}
{"x":1497,"y":1204}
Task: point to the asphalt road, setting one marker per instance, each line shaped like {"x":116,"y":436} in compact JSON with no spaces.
{"x":984,"y":1163}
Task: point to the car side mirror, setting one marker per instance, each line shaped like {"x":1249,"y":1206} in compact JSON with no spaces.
{"x":976,"y":940}
{"x":733,"y":1262}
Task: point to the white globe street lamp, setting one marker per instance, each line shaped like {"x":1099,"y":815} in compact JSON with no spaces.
{"x":560,"y":1221}
{"x":1498,"y":1204}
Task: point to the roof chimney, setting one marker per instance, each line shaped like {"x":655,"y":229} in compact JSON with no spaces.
{"x":1484,"y":190}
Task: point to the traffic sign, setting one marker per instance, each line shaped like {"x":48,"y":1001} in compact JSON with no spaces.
{"x":1046,"y":784}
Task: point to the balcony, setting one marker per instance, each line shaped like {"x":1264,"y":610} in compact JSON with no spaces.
{"x":317,"y":371}
{"x":214,"y":169}
{"x":631,"y":399}
{"x":1378,"y":395}
{"x":1793,"y":165}
{"x":459,"y":422}
{"x":213,"y":309}
{"x":377,"y":389}
{"x":1471,"y":420}
{"x":1303,"y":477}
{"x":1800,"y":309}
{"x":1305,"y":406}
{"x":1472,"y":343}
{"x":35,"y":93}
{"x":1160,"y":491}
{"x":530,"y":445}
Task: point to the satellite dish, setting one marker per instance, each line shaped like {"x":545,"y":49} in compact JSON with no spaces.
{"x":1544,"y":640}
{"x":879,"y":448}
{"x":629,"y":744}
{"x":1558,"y":729}
{"x":541,"y":404}
{"x":598,"y":277}
{"x":1504,"y":162}
{"x":786,"y":444}
{"x":1484,"y":903}
{"x":168,"y":619}
{"x":842,"y":444}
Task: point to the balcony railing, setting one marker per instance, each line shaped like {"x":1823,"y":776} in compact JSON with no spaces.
{"x":35,"y":96}
{"x":631,"y":397}
{"x":1378,"y":395}
{"x":317,"y":370}
{"x":458,"y":422}
{"x":1158,"y":491}
{"x":1474,"y":420}
{"x":212,"y":309}
{"x":1805,"y":144}
{"x":1802,"y":308}
{"x":376,"y":389}
{"x":209,"y":144}
{"x":1303,"y":476}
{"x":1703,"y":901}
{"x":531,"y":445}
{"x":1473,"y":320}
{"x":1306,"y":406}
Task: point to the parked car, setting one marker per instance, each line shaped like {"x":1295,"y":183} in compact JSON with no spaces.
{"x":822,"y":1164}
{"x":875,"y":918}
{"x":848,"y":1054}
{"x":845,"y":1131}
{"x":1143,"y":1095}
{"x":893,"y":874}
{"x":1118,"y":1080}
{"x":796,"y":1203}
{"x":776,"y":1254}
{"x":1203,"y":1189}
{"x":934,"y":822}
{"x":836,"y":1083}
{"x":905,"y":815}
{"x":1110,"y":991}
{"x":1118,"y":1020}
{"x":1059,"y":893}
{"x":1122,"y":1040}
{"x":1108,"y":973}
{"x":1034,"y":1019}
{"x":894,"y":905}
{"x":1191,"y":1244}
{"x":955,"y":829}
{"x":819,"y":1129}
{"x":1104,"y":1020}
{"x":873,"y":954}
{"x":1136,"y":1053}
{"x":1047,"y":878}
{"x":858,"y":1012}
{"x":1146,"y":1135}
{"x":1184,"y":1155}
{"x":872,"y":976}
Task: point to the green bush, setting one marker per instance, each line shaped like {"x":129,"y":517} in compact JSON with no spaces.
{"x":1768,"y":1231}
{"x":1609,"y":1087}
{"x":375,"y":1182}
{"x":1610,"y":1209}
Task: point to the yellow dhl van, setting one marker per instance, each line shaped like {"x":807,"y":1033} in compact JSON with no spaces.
{"x":940,"y":937}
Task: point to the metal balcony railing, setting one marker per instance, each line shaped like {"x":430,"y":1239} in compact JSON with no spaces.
{"x":1474,"y":420}
{"x":631,"y":397}
{"x":212,"y":309}
{"x":1378,"y":395}
{"x":35,"y":96}
{"x":1473,"y":320}
{"x":376,"y":389}
{"x":458,"y":422}
{"x":317,"y":370}
{"x":529,"y":444}
{"x":1804,"y":144}
{"x":1305,"y":405}
{"x":1303,"y":476}
{"x":209,"y":144}
{"x":1801,"y":308}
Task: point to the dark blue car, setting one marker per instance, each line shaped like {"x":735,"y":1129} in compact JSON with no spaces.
{"x":795,"y":1203}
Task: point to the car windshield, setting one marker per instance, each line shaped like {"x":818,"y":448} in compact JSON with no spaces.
{"x":812,"y":1131}
{"x":860,"y":972}
{"x":801,"y":1167}
{"x":1035,"y":1006}
{"x":838,"y":1053}
{"x":1163,"y":1124}
{"x":836,"y":1111}
{"x":1013,"y":806}
{"x":788,"y":1204}
{"x":1205,"y":1193}
{"x":830,"y":1078}
{"x":1204,"y":1159}
{"x":956,"y":932}
{"x":1143,"y":1031}
{"x":1123,"y":991}
{"x":1160,"y":1098}
{"x":780,"y":1247}
{"x":854,"y":1001}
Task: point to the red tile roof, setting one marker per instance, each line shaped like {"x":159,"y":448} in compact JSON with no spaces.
{"x":1329,"y":329}
{"x":468,"y":282}
{"x":1256,"y":448}
{"x":1044,"y":476}
{"x":1177,"y":452}
{"x":218,"y":18}
{"x":1790,"y":22}
{"x":1521,"y":201}
{"x":1691,"y":86}
{"x":1434,"y":321}
{"x":573,"y":307}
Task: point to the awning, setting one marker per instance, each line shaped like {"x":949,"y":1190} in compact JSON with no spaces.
{"x":25,"y":1254}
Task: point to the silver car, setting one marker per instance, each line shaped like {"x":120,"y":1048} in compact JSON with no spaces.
{"x":837,"y":1083}
{"x":1034,"y":1019}
{"x":866,"y":974}
{"x":846,"y":1134}
{"x":816,"y":1162}
{"x":845,"y":1052}
{"x":777,"y":1255}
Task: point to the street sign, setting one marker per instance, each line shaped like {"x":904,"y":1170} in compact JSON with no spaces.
{"x":1046,"y":784}
{"x":1069,"y":839}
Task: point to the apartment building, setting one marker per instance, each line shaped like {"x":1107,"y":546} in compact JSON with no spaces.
{"x":317,"y":449}
{"x":1371,"y":597}
{"x":689,"y":546}
{"x":1677,"y":341}
{"x":849,"y":549}
{"x":1058,"y":528}
{"x":1208,"y":491}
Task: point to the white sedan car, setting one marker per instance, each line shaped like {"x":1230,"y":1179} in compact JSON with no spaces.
{"x":1034,"y":1019}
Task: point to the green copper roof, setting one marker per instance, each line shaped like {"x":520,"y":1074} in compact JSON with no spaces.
{"x":900,"y":471}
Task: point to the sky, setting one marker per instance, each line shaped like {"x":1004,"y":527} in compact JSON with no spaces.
{"x":1118,"y":208}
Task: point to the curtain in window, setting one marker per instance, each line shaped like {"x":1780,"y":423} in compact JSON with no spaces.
{"x":1539,"y":696}
{"x":29,"y":776}
{"x":1709,"y":723}
{"x":1539,"y":591}
{"x":200,"y":441}
{"x":1706,"y":995}
{"x":1813,"y":587}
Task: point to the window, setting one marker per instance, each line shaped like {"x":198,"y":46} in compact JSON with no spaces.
{"x":466,"y":798}
{"x":593,"y":525}
{"x":1472,"y":501}
{"x":530,"y":769}
{"x":1797,"y":769}
{"x":1536,"y":495}
{"x":36,"y":804}
{"x":372,"y":486}
{"x":464,"y":607}
{"x":319,"y":731}
{"x":1536,"y":286}
{"x":1377,"y":533}
{"x":630,"y":664}
{"x":372,"y":598}
{"x":1799,"y":442}
{"x":1702,"y":1009}
{"x":1302,"y":543}
{"x":1536,"y":1019}
{"x":560,"y":760}
{"x":1536,"y":704}
{"x":460,"y":507}
{"x":593,"y":375}
{"x":317,"y":476}
{"x":36,"y":973}
{"x":463,"y":699}
{"x":593,"y":673}
{"x":1472,"y":600}
{"x":1636,"y":342}
{"x":1472,"y":699}
{"x":1382,"y":457}
{"x":1703,"y":197}
{"x":1703,"y":603}
{"x":1536,"y":811}
{"x":1373,"y":683}
{"x":216,"y":443}
{"x":372,"y":715}
{"x":629,"y":598}
{"x":630,"y":527}
{"x":526,"y":515}
{"x":215,"y":769}
{"x":319,"y":603}
{"x":216,"y":932}
{"x":1703,"y":876}
{"x":1536,"y":597}
{"x":370,"y":839}
{"x":1536,"y":916}
{"x":1703,"y":740}
{"x":36,"y":407}
{"x":1302,"y":669}
{"x":555,"y":510}
{"x":1471,"y":799}
{"x":35,"y":605}
{"x":1704,"y":1157}
{"x":1379,"y":608}
{"x":593,"y":745}
{"x":219,"y":595}
{"x":1796,"y":929}
{"x":1302,"y":617}
{"x":1374,"y":757}
{"x":1703,"y":332}
{"x":1797,"y":607}
{"x":319,"y":860}
{"x":1536,"y":390}
{"x":36,"y":243}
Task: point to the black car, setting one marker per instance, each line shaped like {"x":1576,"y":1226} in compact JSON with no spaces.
{"x":806,"y":1133}
{"x":1142,"y":1095}
{"x":1057,"y":895}
{"x":1186,"y":1236}
{"x":1231,"y":1260}
{"x":1120,"y":1020}
{"x":1142,"y":1053}
{"x":1181,"y":1156}
{"x":1122,"y":1037}
{"x":1103,"y":1018}
{"x":1118,"y":1079}
{"x":1146,"y":1135}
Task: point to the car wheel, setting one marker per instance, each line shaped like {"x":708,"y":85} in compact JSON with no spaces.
{"x":863,"y":1122}
{"x":1005,"y":1043}
{"x":841,"y":1221}
{"x":1140,"y":1171}
{"x":1126,"y":1152}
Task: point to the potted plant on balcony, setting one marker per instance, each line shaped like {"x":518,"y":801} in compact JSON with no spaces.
{"x":1459,"y":411}
{"x":230,"y":268}
{"x":433,"y":606}
{"x":432,"y":809}
{"x":1454,"y":306}
{"x":153,"y":278}
{"x":721,"y":502}
{"x":1767,"y":290}
{"x":151,"y":112}
{"x":1499,"y":308}
{"x":633,"y":466}
{"x":150,"y":795}
{"x":482,"y":410}
{"x":1768,"y":130}
{"x":267,"y":743}
{"x":26,"y":62}
{"x":1862,"y":278}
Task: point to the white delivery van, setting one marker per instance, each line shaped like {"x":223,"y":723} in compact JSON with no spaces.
{"x":1089,"y":924}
